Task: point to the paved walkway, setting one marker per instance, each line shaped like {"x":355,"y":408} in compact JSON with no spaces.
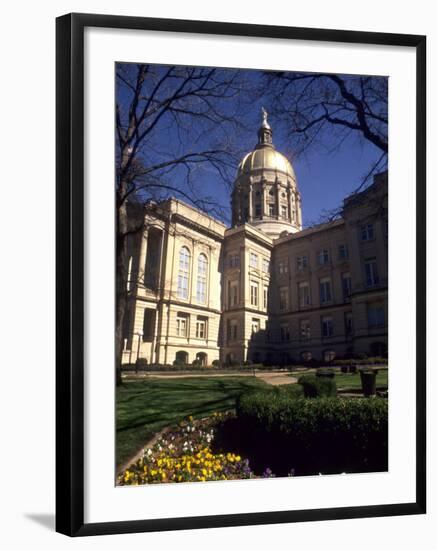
{"x":273,"y":378}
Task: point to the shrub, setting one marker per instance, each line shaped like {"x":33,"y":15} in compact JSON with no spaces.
{"x":291,"y":391}
{"x":232,"y":363}
{"x":362,"y":359}
{"x":316,"y":386}
{"x":196,"y":363}
{"x":216,"y":363}
{"x":313,"y":435}
{"x":141,"y":363}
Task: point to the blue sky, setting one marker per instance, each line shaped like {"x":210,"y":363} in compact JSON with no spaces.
{"x":325,"y":174}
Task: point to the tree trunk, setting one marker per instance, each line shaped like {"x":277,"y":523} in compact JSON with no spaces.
{"x":121,"y":287}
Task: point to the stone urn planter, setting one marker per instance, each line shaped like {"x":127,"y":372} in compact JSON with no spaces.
{"x":368,"y":382}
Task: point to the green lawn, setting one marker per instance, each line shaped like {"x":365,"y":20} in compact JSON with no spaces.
{"x":147,"y":406}
{"x":353,"y":381}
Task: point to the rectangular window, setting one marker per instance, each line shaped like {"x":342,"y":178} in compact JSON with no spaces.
{"x":149,"y":324}
{"x":367,"y":232}
{"x":253,"y":259}
{"x":304,"y":294}
{"x":284,"y":211}
{"x":271,"y":210}
{"x":255,"y":326}
{"x":346,"y":284}
{"x":285,"y":333}
{"x":348,"y":324}
{"x":283,"y":267}
{"x":343,"y":252}
{"x":201,"y":327}
{"x":304,"y":329}
{"x":323,"y":256}
{"x":232,"y":293}
{"x":283,"y":299}
{"x":301,"y":262}
{"x":232,"y":329}
{"x":375,"y":316}
{"x":234,"y":260}
{"x":266,"y":265}
{"x":182,"y":325}
{"x":257,"y":210}
{"x":327,"y":327}
{"x":265,"y":297}
{"x":371,"y":271}
{"x":254,"y":294}
{"x":325,"y":291}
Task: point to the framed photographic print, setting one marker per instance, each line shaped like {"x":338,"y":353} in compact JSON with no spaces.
{"x":240,"y":274}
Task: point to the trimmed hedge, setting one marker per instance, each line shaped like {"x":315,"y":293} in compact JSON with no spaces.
{"x":313,"y":436}
{"x":361,"y":361}
{"x":317,"y":386}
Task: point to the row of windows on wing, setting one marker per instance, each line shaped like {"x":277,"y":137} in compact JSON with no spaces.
{"x":375,"y":319}
{"x":326,"y":295}
{"x":377,"y":349}
{"x":233,"y":260}
{"x":302,"y":262}
{"x":184,"y":276}
{"x":324,"y":256}
{"x":184,"y":329}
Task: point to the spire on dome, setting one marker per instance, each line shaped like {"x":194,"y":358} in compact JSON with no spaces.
{"x":265,"y":132}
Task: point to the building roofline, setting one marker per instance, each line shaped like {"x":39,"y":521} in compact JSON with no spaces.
{"x":171,"y":200}
{"x":250,"y":231}
{"x":326,"y":226}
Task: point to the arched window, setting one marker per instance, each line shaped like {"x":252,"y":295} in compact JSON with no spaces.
{"x":202,"y":271}
{"x":184,"y":273}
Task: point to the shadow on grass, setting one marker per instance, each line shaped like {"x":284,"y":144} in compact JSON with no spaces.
{"x":147,"y":406}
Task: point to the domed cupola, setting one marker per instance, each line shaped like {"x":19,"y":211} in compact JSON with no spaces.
{"x":265,"y":191}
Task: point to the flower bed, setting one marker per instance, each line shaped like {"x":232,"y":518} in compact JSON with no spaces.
{"x":184,"y":454}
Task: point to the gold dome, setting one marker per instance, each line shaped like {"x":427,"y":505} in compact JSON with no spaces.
{"x":265,"y":158}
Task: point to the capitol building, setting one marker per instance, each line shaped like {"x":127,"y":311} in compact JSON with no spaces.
{"x":263,"y":290}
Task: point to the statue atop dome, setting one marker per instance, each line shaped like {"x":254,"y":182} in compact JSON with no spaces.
{"x":265,"y":132}
{"x":265,"y":124}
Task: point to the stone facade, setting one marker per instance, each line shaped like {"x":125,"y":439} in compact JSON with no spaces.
{"x":263,"y":290}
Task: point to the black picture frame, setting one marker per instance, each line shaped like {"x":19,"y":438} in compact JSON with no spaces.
{"x":70,"y":273}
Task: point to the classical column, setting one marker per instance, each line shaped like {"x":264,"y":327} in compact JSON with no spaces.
{"x":250,"y":202}
{"x":299,"y":211}
{"x":295,"y":208}
{"x":289,"y":205}
{"x":263,"y":199}
{"x":162,"y":257}
{"x":142,"y":258}
{"x":278,"y":199}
